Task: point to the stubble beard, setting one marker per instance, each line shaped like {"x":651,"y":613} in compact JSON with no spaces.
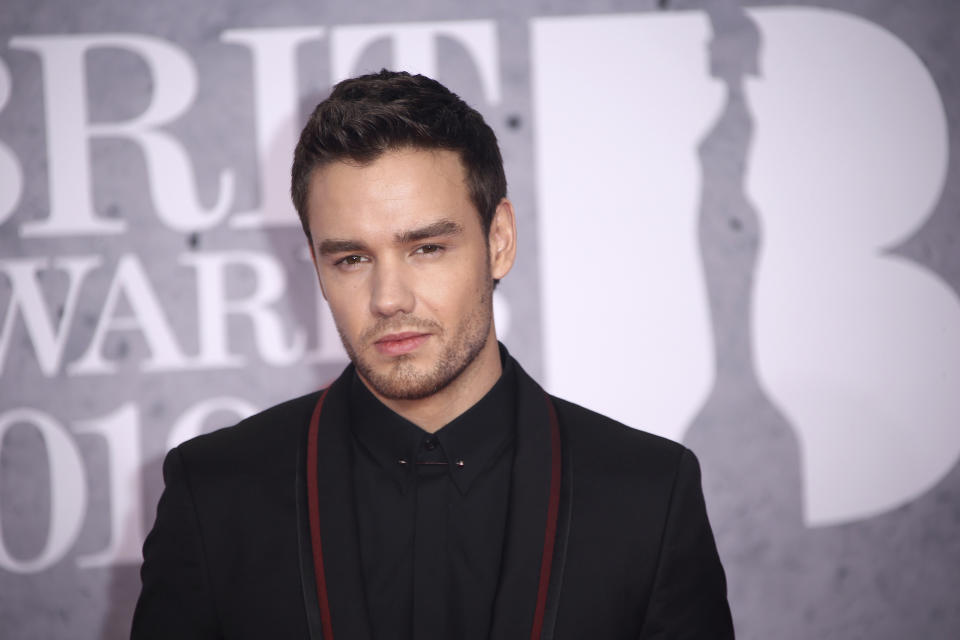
{"x":402,"y":380}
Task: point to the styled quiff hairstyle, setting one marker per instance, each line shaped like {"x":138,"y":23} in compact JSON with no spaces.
{"x":374,"y":113}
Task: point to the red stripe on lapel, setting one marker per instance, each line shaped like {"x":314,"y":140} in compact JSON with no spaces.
{"x":550,"y":535}
{"x":314,"y":507}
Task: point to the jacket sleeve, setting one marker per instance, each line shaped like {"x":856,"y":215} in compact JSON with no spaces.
{"x":689,"y":599}
{"x":175,"y":600}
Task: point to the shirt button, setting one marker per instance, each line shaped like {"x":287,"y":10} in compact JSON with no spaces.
{"x":430,"y":443}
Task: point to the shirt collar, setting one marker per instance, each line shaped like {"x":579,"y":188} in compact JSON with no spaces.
{"x":471,"y":442}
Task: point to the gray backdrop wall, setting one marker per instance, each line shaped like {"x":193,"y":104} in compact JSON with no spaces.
{"x":739,"y":229}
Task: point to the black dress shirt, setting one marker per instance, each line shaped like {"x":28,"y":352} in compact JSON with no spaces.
{"x":432,"y":509}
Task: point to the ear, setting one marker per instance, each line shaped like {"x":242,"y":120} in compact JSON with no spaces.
{"x":502,"y":240}
{"x":316,"y":266}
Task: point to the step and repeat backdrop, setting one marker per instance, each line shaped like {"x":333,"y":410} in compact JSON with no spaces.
{"x":739,"y":224}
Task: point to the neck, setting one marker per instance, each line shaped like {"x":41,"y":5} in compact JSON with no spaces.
{"x":435,"y":411}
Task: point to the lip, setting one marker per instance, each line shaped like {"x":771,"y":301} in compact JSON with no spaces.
{"x":398,"y":344}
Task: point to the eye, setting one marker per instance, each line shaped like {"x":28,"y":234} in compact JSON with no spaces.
{"x":350,"y":261}
{"x":429,"y":249}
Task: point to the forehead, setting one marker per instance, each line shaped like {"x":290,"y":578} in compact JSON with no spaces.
{"x":401,"y":189}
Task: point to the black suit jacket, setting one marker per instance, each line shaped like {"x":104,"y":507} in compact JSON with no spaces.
{"x":230,"y":554}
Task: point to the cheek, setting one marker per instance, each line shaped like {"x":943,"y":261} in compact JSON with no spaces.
{"x":454,"y":292}
{"x":347,"y":309}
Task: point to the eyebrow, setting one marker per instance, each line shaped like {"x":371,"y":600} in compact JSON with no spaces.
{"x":432,"y":230}
{"x":328,"y":247}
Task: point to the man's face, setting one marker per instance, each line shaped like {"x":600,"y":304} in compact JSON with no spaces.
{"x":406,"y":268}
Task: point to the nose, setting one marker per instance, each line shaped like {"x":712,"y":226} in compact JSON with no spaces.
{"x":391,"y":293}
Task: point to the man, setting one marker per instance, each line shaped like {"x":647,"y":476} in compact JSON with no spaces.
{"x":434,"y":490}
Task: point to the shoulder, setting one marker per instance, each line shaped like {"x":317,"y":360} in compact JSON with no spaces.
{"x":607,"y":431}
{"x":613,"y":449}
{"x":607,"y":450}
{"x":257,"y":440}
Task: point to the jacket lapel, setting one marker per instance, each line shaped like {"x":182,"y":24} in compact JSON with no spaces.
{"x":308,"y":582}
{"x":331,"y":570}
{"x":535,"y":542}
{"x":538,"y":521}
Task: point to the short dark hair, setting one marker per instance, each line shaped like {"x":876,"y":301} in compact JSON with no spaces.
{"x":370,"y":114}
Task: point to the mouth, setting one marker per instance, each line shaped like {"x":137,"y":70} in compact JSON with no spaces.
{"x":398,"y":344}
